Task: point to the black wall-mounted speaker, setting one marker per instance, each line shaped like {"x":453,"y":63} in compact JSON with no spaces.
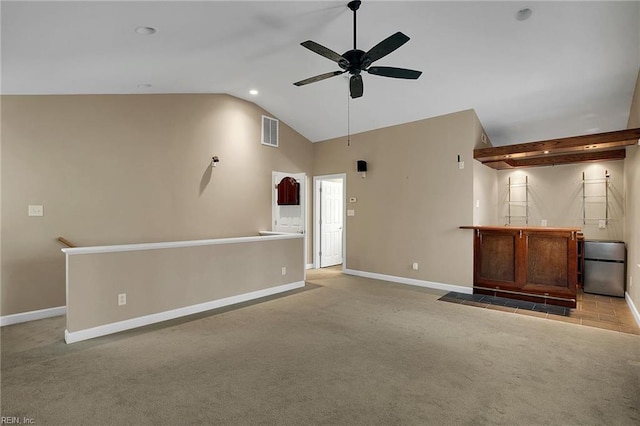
{"x":362,"y":166}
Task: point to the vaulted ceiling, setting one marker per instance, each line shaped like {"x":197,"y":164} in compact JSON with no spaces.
{"x":568,"y":70}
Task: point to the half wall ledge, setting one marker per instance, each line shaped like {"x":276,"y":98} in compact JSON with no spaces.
{"x":116,"y":288}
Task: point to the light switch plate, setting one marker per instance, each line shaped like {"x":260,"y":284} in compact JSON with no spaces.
{"x":352,"y":199}
{"x":36,"y":210}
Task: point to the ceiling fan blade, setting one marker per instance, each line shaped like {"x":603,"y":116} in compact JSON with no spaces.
{"x":395,"y":72}
{"x":385,"y":47}
{"x":355,"y":86}
{"x":324,"y":51}
{"x":318,"y":78}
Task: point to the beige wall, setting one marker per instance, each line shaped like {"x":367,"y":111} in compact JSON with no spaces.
{"x":555,"y":194}
{"x":165,"y":279}
{"x":485,"y":182}
{"x":413,"y":200}
{"x":485,"y":195}
{"x":123,"y":169}
{"x":632,"y":228}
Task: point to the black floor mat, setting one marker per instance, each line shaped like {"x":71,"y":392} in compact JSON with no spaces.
{"x":461,"y":298}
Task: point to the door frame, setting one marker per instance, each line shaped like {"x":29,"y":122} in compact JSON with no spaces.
{"x":303,"y":203}
{"x":316,"y":217}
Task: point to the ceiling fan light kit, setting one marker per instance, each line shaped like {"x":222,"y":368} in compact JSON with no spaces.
{"x":355,"y":61}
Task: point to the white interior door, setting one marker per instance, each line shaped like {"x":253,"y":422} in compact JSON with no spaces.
{"x":331,"y":222}
{"x":288,"y":218}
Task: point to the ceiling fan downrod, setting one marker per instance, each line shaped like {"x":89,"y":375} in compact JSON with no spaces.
{"x":354,"y":5}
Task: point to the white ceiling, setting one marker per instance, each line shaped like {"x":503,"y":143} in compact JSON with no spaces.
{"x":568,"y":70}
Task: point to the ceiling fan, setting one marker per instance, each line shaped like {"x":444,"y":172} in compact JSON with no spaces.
{"x":355,"y":61}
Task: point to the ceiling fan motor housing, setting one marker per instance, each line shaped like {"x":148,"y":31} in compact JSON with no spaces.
{"x":355,"y":60}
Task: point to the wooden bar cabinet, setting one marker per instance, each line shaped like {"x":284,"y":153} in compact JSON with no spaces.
{"x":538,"y":264}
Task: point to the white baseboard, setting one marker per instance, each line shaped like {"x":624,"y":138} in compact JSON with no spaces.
{"x":309,"y":266}
{"x":32,"y":316}
{"x":410,"y":281}
{"x":632,"y":307}
{"x":103,"y":330}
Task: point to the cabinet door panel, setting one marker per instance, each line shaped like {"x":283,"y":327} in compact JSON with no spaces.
{"x":547,"y":260}
{"x":498,"y":260}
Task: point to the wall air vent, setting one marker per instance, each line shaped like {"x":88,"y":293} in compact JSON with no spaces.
{"x":269,"y":131}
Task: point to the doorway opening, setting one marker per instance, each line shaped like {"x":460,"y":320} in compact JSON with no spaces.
{"x":290,"y":217}
{"x":329,"y":220}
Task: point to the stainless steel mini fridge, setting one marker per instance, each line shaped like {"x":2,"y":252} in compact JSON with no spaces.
{"x":604,"y":267}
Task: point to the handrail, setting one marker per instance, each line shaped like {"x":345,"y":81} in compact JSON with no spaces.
{"x":66,"y":242}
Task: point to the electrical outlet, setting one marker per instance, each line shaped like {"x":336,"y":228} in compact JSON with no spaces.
{"x":415,"y":266}
{"x":461,"y":165}
{"x":122,"y":299}
{"x":284,"y":270}
{"x":543,"y":222}
{"x":602,"y":224}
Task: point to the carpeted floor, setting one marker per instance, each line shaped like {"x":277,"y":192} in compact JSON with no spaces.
{"x":341,"y":351}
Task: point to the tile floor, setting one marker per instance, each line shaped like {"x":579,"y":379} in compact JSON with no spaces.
{"x":611,"y":313}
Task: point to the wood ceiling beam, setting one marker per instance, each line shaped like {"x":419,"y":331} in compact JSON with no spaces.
{"x":594,"y":142}
{"x":552,"y":160}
